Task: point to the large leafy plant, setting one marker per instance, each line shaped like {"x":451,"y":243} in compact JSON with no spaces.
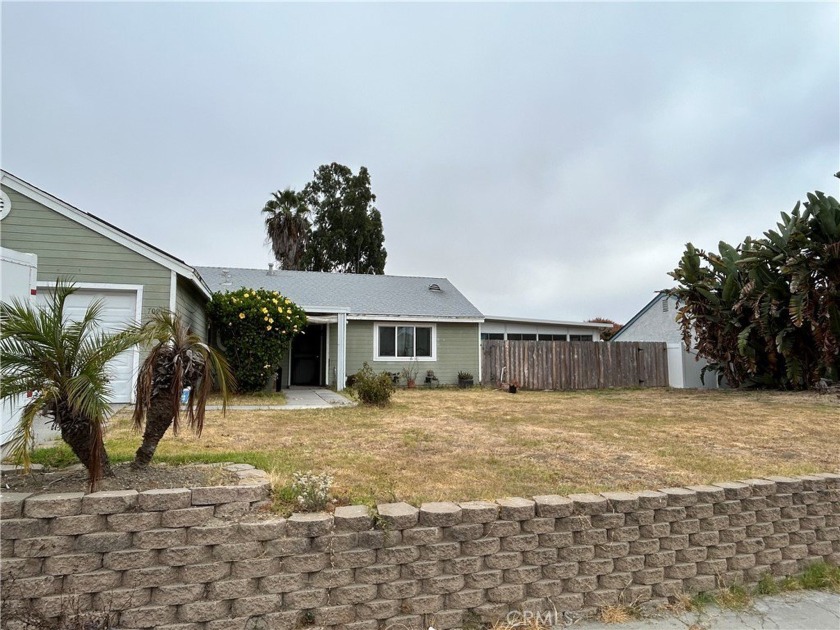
{"x":255,"y":328}
{"x":768,"y":311}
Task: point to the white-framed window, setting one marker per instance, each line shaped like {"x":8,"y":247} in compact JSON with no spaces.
{"x":404,"y":342}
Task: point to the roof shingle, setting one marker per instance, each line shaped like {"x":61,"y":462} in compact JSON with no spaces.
{"x":360,"y":294}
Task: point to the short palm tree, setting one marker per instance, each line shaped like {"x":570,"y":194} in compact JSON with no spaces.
{"x":179,"y":359}
{"x":287,"y":227}
{"x":64,"y":365}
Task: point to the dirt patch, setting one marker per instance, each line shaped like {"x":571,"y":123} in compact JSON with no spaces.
{"x":74,"y":479}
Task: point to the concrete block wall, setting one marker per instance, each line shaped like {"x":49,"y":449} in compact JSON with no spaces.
{"x":188,"y":559}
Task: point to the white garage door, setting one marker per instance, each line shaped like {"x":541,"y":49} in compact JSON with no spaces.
{"x":119,"y":309}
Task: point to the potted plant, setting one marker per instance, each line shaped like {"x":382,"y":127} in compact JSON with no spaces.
{"x":431,"y":379}
{"x":465,"y":380}
{"x":513,"y":386}
{"x":409,"y":373}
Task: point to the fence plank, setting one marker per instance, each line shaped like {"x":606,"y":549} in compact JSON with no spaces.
{"x":574,"y":364}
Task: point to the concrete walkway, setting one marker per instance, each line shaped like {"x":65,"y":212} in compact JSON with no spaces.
{"x":803,"y":610}
{"x":299,"y":398}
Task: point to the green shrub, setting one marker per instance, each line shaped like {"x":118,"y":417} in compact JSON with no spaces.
{"x":255,"y":326}
{"x":373,"y":388}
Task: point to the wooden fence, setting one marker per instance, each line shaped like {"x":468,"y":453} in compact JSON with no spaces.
{"x":574,"y":364}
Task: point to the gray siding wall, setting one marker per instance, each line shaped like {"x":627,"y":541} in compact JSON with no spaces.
{"x":457,"y":350}
{"x":190,"y":305}
{"x":68,"y":249}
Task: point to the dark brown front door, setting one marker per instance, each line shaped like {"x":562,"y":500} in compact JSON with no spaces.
{"x":307,"y":354}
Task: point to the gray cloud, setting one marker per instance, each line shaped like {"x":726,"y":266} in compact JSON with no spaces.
{"x":550,"y":159}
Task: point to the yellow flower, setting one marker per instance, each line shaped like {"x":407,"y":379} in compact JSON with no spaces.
{"x":245,"y":295}
{"x":241,"y":315}
{"x":288,"y":301}
{"x":279,"y":310}
{"x":274,"y":300}
{"x":264,"y":309}
{"x":289,"y":311}
{"x":265,"y":319}
{"x":270,"y":321}
{"x":268,"y":327}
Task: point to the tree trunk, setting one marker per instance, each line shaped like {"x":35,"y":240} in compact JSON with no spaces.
{"x":158,"y":420}
{"x":76,"y":433}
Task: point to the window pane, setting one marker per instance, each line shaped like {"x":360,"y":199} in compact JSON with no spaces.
{"x":386,"y":341}
{"x":405,"y":341}
{"x":424,"y":341}
{"x":514,"y":336}
{"x":529,"y":337}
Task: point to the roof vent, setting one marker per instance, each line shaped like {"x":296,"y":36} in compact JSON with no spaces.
{"x":226,"y":278}
{"x":434,"y":287}
{"x":271,"y":269}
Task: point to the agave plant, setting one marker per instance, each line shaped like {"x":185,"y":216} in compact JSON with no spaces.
{"x":63,"y":364}
{"x":178,"y":359}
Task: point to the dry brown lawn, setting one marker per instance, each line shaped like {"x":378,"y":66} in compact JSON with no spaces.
{"x":483,"y":444}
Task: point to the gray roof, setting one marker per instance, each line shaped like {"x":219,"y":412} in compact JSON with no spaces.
{"x":359,"y":294}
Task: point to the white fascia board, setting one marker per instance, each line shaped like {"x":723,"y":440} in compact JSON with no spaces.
{"x":323,"y":309}
{"x":416,"y":318}
{"x":14,"y":256}
{"x":547,"y":322}
{"x":173,"y":291}
{"x":74,"y":214}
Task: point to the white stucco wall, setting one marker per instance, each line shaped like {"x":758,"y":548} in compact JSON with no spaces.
{"x":655,"y":324}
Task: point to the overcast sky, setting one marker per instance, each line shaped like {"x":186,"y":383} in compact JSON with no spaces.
{"x":551,"y":160}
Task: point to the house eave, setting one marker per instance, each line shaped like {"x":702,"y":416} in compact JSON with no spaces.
{"x":104,"y":228}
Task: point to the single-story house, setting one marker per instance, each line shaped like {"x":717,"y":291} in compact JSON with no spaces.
{"x":390,"y":322}
{"x":131,"y":276}
{"x":656,"y":321}
{"x":520,"y":329}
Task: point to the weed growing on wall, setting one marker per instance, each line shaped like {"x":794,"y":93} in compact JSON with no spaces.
{"x":312,"y":492}
{"x":255,"y":328}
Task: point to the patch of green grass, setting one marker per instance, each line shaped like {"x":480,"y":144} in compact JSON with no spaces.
{"x":700,"y":601}
{"x":820,"y":576}
{"x":767,"y":586}
{"x":736,"y":597}
{"x":416,"y":437}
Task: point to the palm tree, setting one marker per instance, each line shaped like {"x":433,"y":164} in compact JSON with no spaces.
{"x":287,"y":227}
{"x":64,"y":365}
{"x":178,"y":360}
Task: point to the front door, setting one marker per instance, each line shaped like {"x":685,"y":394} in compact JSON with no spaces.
{"x":307,"y":351}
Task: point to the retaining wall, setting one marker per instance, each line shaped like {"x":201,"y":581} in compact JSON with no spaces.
{"x":175,"y":559}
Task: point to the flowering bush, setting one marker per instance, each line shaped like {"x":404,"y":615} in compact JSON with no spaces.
{"x":312,"y":492}
{"x":255,"y":326}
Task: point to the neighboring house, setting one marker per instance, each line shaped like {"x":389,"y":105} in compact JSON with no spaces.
{"x":520,"y":329}
{"x":129,"y":275}
{"x":657,"y":322}
{"x":390,"y":322}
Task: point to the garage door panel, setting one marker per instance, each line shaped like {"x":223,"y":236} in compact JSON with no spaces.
{"x":118,"y":310}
